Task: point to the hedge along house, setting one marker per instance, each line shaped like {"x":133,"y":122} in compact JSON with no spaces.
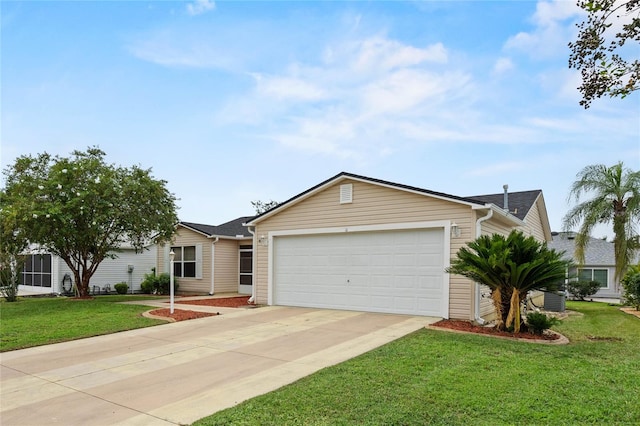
{"x":45,"y":273}
{"x":357,"y":243}
{"x":211,"y":259}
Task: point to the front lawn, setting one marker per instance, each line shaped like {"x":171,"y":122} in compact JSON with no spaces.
{"x":436,"y":377}
{"x":40,"y":321}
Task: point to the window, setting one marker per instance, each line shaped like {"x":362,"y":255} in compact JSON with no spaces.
{"x":246,"y":265}
{"x":37,"y":270}
{"x":184,"y":262}
{"x":599,"y":275}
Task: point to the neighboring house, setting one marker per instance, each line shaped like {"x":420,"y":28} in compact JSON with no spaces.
{"x":599,"y":262}
{"x":46,"y":273}
{"x":211,"y":259}
{"x":357,"y":243}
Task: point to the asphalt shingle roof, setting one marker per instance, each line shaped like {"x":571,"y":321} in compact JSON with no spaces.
{"x":598,"y":252}
{"x":232,"y":228}
{"x":519,"y":202}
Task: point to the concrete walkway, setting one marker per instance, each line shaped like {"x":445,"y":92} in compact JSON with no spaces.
{"x":180,"y":372}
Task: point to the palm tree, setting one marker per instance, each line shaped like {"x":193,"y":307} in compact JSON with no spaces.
{"x":511,"y":267}
{"x":616,"y":198}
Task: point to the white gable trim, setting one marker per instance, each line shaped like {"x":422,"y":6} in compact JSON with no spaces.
{"x":342,"y":177}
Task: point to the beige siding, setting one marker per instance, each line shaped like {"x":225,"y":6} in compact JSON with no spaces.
{"x":534,"y":226}
{"x":186,"y":237}
{"x":372,"y":205}
{"x":226,"y":271}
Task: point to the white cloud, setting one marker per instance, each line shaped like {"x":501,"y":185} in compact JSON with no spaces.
{"x":282,"y":88}
{"x":199,"y":7}
{"x":383,"y":54}
{"x":503,"y":65}
{"x":359,"y":97}
{"x":405,"y":90}
{"x":554,"y":27}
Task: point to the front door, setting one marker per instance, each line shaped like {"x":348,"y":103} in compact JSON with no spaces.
{"x":246,"y":269}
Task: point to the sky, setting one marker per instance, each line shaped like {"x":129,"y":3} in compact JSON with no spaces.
{"x":236,"y":101}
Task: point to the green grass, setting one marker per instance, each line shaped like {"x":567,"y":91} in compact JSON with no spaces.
{"x":40,"y":321}
{"x":435,"y":377}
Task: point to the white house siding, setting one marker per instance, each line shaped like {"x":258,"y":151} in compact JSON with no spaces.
{"x":110,"y":271}
{"x":114,"y":271}
{"x":372,"y":205}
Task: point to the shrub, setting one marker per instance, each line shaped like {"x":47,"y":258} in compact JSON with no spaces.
{"x":631,"y":285}
{"x":10,"y":269}
{"x":582,"y":289}
{"x":539,"y":322}
{"x":121,"y":288}
{"x":158,"y":284}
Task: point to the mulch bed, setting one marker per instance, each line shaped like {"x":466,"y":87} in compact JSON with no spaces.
{"x":226,"y":302}
{"x":181,"y":314}
{"x":184,"y":314}
{"x":469,"y":327}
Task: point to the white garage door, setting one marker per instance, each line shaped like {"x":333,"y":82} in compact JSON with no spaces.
{"x":392,"y":271}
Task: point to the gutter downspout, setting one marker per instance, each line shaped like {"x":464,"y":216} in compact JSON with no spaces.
{"x":476,"y":315}
{"x":213,"y":262}
{"x":253,"y":266}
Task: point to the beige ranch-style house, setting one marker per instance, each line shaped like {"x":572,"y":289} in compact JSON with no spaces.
{"x":357,"y":243}
{"x":211,"y":259}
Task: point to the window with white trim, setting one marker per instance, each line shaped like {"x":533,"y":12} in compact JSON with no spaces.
{"x":184,"y":262}
{"x":600,"y":276}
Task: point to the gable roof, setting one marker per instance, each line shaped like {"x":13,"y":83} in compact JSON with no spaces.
{"x":473,"y":202}
{"x":597,"y":253}
{"x":519,"y":202}
{"x":232,"y":229}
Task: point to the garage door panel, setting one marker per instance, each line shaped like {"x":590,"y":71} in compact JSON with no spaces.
{"x":391,"y":271}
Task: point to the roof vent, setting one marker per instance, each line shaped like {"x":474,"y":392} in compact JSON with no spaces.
{"x":346,"y":193}
{"x":506,"y":197}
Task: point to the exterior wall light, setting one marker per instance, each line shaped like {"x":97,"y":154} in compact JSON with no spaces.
{"x":455,"y":230}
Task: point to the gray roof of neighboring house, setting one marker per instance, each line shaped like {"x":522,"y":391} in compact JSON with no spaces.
{"x":519,"y":202}
{"x":232,"y":228}
{"x":598,"y":252}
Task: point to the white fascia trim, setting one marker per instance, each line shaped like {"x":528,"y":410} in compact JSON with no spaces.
{"x":446,"y":256}
{"x":363,"y":228}
{"x":223,"y":237}
{"x":501,"y":212}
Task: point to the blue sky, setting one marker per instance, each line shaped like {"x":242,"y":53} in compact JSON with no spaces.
{"x":238,"y":101}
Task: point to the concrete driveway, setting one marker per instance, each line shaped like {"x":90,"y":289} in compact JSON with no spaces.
{"x":180,"y":372}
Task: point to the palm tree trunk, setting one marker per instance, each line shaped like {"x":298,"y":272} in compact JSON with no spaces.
{"x":496,"y":296}
{"x":514,"y":311}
